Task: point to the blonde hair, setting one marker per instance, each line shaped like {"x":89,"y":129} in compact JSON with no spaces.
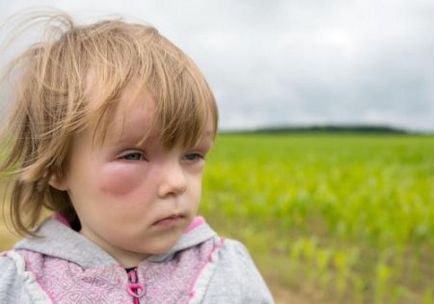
{"x":52,"y":102}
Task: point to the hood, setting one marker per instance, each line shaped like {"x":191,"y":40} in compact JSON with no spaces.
{"x":58,"y":240}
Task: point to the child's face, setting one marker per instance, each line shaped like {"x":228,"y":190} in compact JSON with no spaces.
{"x":134,"y":200}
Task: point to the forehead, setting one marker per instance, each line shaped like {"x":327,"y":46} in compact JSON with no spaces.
{"x":135,"y":120}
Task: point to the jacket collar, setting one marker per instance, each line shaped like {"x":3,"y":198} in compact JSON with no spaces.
{"x":58,"y":240}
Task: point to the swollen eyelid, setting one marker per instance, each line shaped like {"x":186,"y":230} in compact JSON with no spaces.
{"x":132,"y":156}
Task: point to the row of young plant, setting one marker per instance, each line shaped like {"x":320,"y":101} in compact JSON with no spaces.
{"x":356,"y":225}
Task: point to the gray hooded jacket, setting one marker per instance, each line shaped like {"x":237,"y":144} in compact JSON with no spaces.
{"x":65,"y":267}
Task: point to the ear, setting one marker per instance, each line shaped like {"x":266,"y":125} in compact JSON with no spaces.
{"x":58,"y":182}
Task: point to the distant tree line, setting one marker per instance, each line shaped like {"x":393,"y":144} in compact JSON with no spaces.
{"x":324,"y":129}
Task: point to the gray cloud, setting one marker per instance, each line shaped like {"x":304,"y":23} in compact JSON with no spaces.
{"x":299,"y":62}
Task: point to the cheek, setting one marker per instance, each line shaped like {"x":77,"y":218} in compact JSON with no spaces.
{"x":120,"y":179}
{"x":195,"y":185}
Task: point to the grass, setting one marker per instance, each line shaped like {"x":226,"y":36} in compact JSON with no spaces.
{"x":338,"y":218}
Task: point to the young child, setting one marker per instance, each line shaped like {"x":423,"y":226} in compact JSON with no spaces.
{"x":110,"y":127}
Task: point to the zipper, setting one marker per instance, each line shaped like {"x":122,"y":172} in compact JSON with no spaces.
{"x":135,"y":289}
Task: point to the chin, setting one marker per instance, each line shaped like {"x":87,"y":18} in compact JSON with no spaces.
{"x":161,"y":247}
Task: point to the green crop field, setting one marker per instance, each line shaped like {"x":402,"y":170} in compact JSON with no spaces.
{"x":345,"y":218}
{"x":339,"y":218}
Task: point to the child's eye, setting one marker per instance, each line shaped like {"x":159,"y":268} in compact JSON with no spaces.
{"x":194,"y":156}
{"x":132,"y":156}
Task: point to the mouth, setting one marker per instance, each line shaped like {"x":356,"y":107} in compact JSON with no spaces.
{"x":169,"y":221}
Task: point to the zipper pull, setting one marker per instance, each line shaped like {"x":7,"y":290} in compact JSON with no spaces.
{"x":134,"y":288}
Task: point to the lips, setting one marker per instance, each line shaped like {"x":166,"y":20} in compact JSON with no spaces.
{"x":169,"y":221}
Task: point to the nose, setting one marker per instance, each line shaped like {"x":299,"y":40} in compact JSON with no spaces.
{"x":172,"y":180}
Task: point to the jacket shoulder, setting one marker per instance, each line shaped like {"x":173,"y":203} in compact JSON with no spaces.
{"x":16,"y":284}
{"x":9,"y":280}
{"x":236,"y":278}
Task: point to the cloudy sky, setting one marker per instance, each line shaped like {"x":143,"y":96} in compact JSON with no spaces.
{"x":295,"y":62}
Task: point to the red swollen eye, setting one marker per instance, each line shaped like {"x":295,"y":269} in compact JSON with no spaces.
{"x":133,"y":156}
